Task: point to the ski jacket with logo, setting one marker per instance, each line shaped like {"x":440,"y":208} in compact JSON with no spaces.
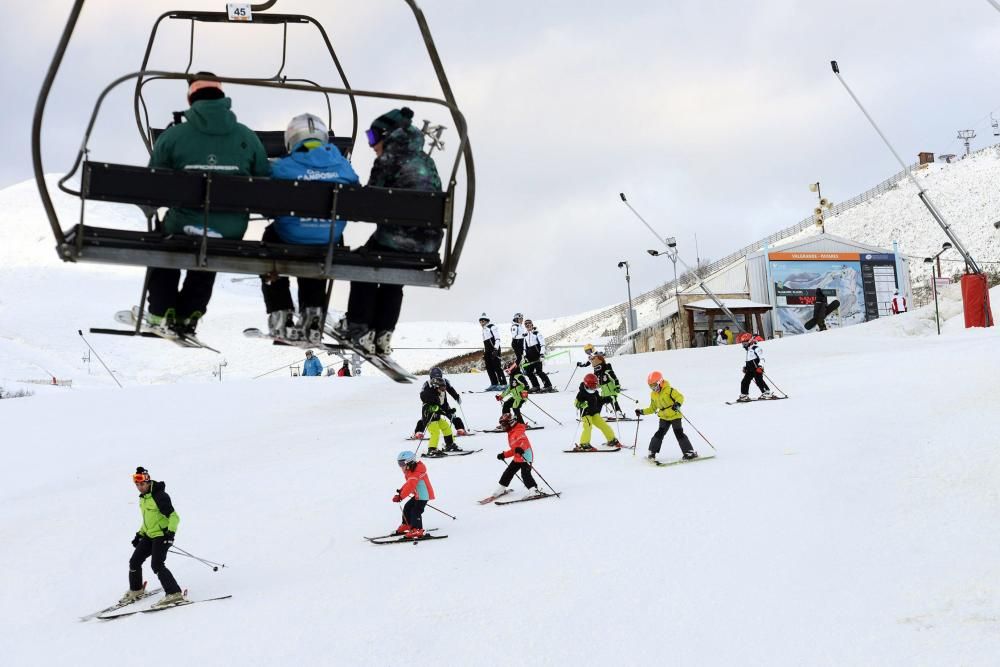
{"x":404,"y":164}
{"x":491,"y":338}
{"x":418,"y":484}
{"x":518,"y":331}
{"x":755,"y":357}
{"x":590,"y":402}
{"x":211,"y":141}
{"x":534,"y":344}
{"x":662,"y":402}
{"x":322,"y":163}
{"x":516,"y":438}
{"x":158,"y":514}
{"x":312,"y":367}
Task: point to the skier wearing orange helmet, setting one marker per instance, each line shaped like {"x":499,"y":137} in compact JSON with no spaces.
{"x":666,"y":402}
{"x":753,"y":369}
{"x":590,"y":402}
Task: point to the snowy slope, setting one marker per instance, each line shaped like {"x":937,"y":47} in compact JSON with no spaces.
{"x":850,"y":525}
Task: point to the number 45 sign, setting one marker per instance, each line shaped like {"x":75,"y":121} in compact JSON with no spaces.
{"x":239,"y":11}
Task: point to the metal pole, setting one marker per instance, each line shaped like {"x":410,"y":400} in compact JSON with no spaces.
{"x":628,"y":287}
{"x":80,"y":331}
{"x":677,"y":300}
{"x":937,"y":314}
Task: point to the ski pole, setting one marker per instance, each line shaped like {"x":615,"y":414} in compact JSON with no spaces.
{"x":174,"y":549}
{"x":571,"y":378}
{"x":516,"y":473}
{"x":622,"y":393}
{"x":699,"y":432}
{"x":465,"y":420}
{"x":80,"y":331}
{"x":543,"y":411}
{"x":529,"y":419}
{"x":442,"y":512}
{"x":635,"y":443}
{"x":774,"y":385}
{"x":535,"y":470}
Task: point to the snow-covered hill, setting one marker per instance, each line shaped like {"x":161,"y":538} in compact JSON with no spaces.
{"x":849,"y":525}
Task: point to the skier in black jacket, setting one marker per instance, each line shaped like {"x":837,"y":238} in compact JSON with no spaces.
{"x":491,"y":354}
{"x":438,"y":381}
{"x":534,"y":352}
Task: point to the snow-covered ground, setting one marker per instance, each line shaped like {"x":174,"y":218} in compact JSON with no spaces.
{"x":853,"y":524}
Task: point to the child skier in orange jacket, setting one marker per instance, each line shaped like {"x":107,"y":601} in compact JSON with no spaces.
{"x":520,"y":449}
{"x":417,"y":484}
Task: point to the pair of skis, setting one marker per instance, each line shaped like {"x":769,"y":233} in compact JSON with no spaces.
{"x":758,"y":400}
{"x":495,"y":499}
{"x":444,"y":454}
{"x":395,"y":538}
{"x":130,"y":317}
{"x":114,"y":611}
{"x":665,"y":464}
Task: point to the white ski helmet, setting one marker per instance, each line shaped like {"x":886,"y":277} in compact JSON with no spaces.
{"x":484,"y":317}
{"x":302,"y":127}
{"x":518,"y":316}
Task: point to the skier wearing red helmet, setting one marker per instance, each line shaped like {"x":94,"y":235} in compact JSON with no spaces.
{"x":590,"y":402}
{"x":753,"y":368}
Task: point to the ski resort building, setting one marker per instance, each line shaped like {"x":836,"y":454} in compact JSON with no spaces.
{"x":771,"y":293}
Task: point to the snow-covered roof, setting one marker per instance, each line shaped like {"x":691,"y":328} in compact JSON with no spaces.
{"x":731,"y":304}
{"x":824,"y":243}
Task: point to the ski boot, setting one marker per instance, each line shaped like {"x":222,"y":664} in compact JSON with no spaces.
{"x":367,"y":342}
{"x":449,"y":444}
{"x":651,"y":457}
{"x":414,"y":533}
{"x":766,"y":396}
{"x":614,"y":444}
{"x":186,"y":326}
{"x":744,"y":398}
{"x":281,"y":324}
{"x":461,"y":431}
{"x":169,"y":600}
{"x":433,"y":453}
{"x":310,"y":320}
{"x":164,"y":323}
{"x":131,"y":596}
{"x":532,"y":492}
{"x":403,"y":529}
{"x":355,"y":333}
{"x":383,"y":343}
{"x":585,"y":447}
{"x":690,"y":455}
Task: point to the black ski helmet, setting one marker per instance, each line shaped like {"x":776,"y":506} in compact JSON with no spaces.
{"x":437,"y":373}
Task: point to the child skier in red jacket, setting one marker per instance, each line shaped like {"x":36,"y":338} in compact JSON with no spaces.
{"x":418,"y":484}
{"x":520,"y":449}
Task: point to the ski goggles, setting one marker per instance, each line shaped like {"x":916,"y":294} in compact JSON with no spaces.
{"x":373,"y":136}
{"x":140,"y":477}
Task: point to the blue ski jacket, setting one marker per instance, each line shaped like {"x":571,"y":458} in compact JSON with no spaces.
{"x":323,"y":163}
{"x":312,"y":367}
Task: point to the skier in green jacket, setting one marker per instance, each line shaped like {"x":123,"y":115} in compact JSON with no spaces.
{"x":209,"y":141}
{"x":154,"y":538}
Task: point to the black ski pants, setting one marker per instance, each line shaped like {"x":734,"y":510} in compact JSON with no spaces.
{"x":533,"y":371}
{"x":509,"y":406}
{"x":518,"y":346}
{"x":375,"y":304}
{"x":278,"y":293}
{"x":413,"y":513}
{"x":192,"y":297}
{"x":156,"y":548}
{"x":751,"y":374}
{"x":682,"y":439}
{"x":512,"y":469}
{"x":493,"y":368}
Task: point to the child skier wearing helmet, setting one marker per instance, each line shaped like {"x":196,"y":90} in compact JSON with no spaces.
{"x":666,"y":402}
{"x":519,"y":450}
{"x":515,"y":394}
{"x":436,"y":420}
{"x":438,"y":381}
{"x":590,"y":403}
{"x":608,"y":381}
{"x":419,"y":491}
{"x":311,"y":157}
{"x":589,"y":350}
{"x":753,"y":368}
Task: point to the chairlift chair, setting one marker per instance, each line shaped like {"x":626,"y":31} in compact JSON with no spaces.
{"x":211,"y":192}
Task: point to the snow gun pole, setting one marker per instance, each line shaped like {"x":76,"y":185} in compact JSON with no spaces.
{"x":279,"y":368}
{"x":544,"y":412}
{"x":80,"y":331}
{"x":921,"y":193}
{"x":698,"y":432}
{"x":208,"y":563}
{"x":674,"y":255}
{"x":775,"y":385}
{"x":571,"y":378}
{"x":453,"y":518}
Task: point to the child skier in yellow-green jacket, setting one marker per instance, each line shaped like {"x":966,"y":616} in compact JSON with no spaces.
{"x":666,"y":402}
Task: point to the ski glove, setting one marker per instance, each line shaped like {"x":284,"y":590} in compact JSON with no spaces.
{"x":397,"y":498}
{"x":580,"y":364}
{"x":499,"y":397}
{"x":524,"y":394}
{"x":500,"y":456}
{"x":168,"y":538}
{"x":518,"y":451}
{"x":760,"y":370}
{"x":136,"y":540}
{"x":677,"y":406}
{"x":638,"y":412}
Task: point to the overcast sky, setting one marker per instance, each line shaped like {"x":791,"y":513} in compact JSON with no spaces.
{"x":712,"y":116}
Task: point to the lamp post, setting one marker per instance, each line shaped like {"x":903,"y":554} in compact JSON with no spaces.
{"x":930,"y":262}
{"x":671,"y":252}
{"x":628,"y":286}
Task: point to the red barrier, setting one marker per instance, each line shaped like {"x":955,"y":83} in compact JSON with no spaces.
{"x":976,"y":299}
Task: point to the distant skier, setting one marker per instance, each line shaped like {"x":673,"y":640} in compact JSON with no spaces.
{"x":311,"y":157}
{"x":491,"y":354}
{"x":345,"y":371}
{"x":589,"y":350}
{"x":609,"y":382}
{"x":534,"y":353}
{"x":819,"y":309}
{"x":312,"y":366}
{"x":519,"y":449}
{"x":898,"y":303}
{"x":666,"y":402}
{"x":518,"y":332}
{"x":590,"y":403}
{"x":435,"y":418}
{"x":720,"y":338}
{"x":419,"y":491}
{"x":515,"y":394}
{"x":154,"y":538}
{"x":209,"y":141}
{"x":753,"y":368}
